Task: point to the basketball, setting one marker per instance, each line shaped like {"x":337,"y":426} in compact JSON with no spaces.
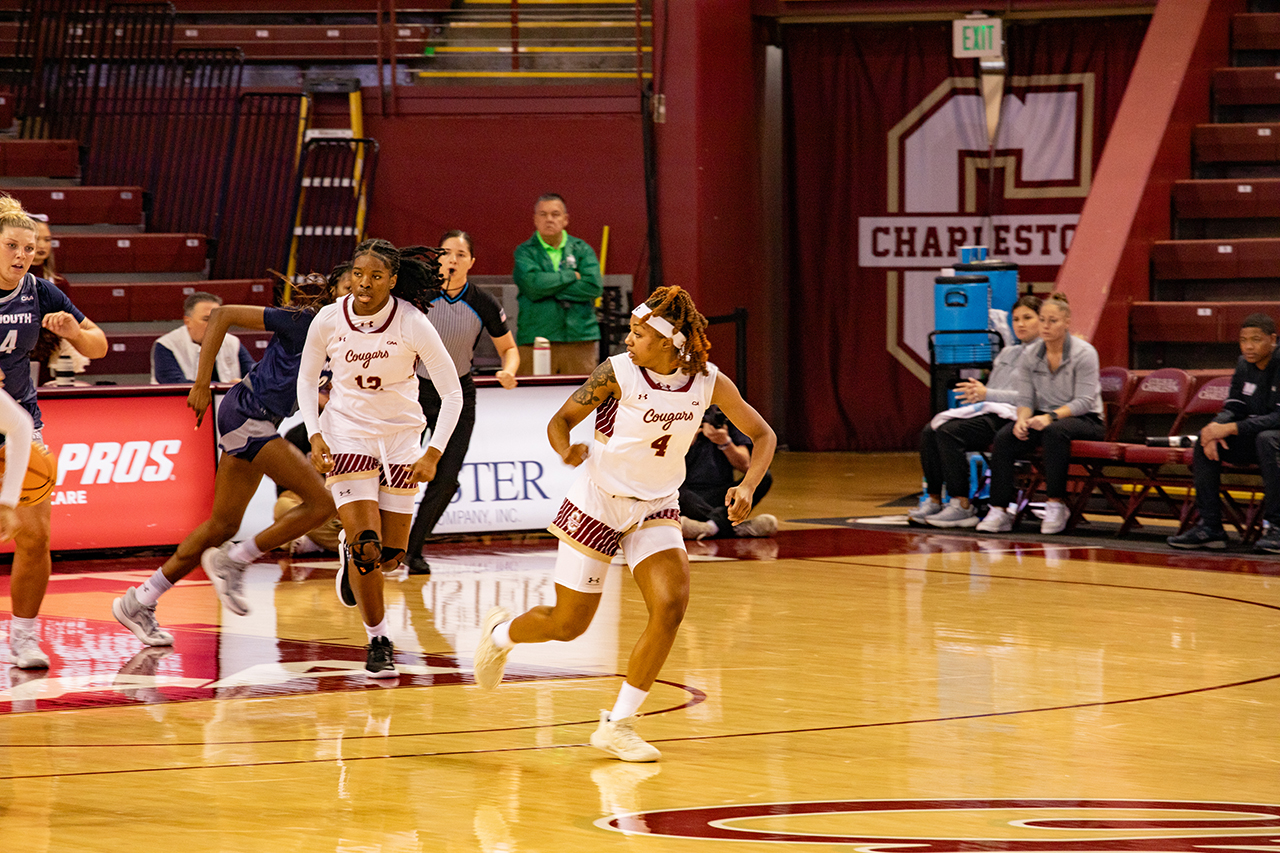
{"x":42,"y":473}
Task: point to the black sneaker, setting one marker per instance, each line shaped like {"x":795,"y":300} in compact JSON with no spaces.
{"x":380,"y":661}
{"x":1199,"y":537}
{"x":1270,"y":541}
{"x":418,"y":566}
{"x":343,"y":581}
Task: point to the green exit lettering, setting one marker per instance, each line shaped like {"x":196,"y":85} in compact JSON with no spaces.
{"x":978,"y":38}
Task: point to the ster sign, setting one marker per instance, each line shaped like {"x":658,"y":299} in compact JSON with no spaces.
{"x":976,"y":38}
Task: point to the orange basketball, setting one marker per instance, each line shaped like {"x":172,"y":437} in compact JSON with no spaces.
{"x":42,"y":473}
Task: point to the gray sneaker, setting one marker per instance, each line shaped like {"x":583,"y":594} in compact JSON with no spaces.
{"x":140,"y":619}
{"x":760,"y":527}
{"x":998,"y":520}
{"x":954,"y":515}
{"x":693,"y":529}
{"x":227,"y":577}
{"x":926,"y":508}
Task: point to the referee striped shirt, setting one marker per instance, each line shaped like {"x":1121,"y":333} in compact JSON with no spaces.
{"x":460,"y":319}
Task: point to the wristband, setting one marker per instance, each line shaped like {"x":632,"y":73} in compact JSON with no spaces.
{"x":725,"y":446}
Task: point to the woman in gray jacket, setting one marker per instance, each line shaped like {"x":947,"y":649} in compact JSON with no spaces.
{"x":949,"y":436}
{"x":1059,"y":401}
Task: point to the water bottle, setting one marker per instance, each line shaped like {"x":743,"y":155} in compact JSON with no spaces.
{"x":541,"y":357}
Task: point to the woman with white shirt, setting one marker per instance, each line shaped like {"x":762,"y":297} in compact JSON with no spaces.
{"x":367,"y":440}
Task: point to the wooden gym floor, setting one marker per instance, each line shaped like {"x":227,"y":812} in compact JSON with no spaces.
{"x":833,"y":688}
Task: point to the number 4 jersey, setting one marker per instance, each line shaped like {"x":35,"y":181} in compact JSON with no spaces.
{"x":641,"y":438}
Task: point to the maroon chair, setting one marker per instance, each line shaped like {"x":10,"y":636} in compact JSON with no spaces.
{"x":1160,"y":398}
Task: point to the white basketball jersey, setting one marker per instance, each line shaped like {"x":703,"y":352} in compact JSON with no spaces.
{"x":641,"y":439}
{"x":375,"y":389}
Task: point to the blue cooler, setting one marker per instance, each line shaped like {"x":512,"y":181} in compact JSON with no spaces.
{"x":1003,"y":276}
{"x":961,"y":302}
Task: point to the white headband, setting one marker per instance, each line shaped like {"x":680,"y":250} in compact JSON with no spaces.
{"x":661,"y":325}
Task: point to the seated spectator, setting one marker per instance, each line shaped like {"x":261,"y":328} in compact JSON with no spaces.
{"x":42,"y":266}
{"x":953,"y":433}
{"x":720,"y":451}
{"x":1245,"y":432}
{"x":1059,"y":401}
{"x":176,"y":355}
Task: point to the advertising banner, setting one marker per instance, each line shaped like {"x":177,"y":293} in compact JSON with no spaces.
{"x":132,"y":471}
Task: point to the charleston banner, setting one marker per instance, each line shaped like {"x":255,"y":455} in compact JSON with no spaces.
{"x":891,"y":171}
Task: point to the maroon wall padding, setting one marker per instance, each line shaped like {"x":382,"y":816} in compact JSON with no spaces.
{"x":1238,"y":143}
{"x":1246,"y":85}
{"x":1255,"y":31}
{"x":1193,"y":322}
{"x":81,"y":205}
{"x":1231,"y":198}
{"x":477,"y":159}
{"x":129,"y":252}
{"x":39,"y":158}
{"x":156,"y":301}
{"x":1147,"y":150}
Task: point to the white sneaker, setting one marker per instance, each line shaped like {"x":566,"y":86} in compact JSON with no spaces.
{"x":693,"y":529}
{"x":342,"y":580}
{"x":760,"y":527}
{"x":619,"y":739}
{"x":998,"y":520}
{"x":227,"y":577}
{"x":25,"y":651}
{"x":927,"y":507}
{"x":954,"y":515}
{"x":140,"y":619}
{"x":1055,"y":517}
{"x":490,"y":660}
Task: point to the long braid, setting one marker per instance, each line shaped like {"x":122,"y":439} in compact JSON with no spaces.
{"x":676,"y":305}
{"x":420,"y":280}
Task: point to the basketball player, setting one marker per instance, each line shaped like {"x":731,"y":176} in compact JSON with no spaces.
{"x":251,"y":447}
{"x":27,"y":304}
{"x":16,"y":426}
{"x":648,"y":404}
{"x":367,"y":440}
{"x":459,"y":314}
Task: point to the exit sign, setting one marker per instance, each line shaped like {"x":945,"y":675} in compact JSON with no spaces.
{"x":976,"y":38}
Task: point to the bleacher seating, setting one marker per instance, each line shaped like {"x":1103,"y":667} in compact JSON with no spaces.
{"x":39,"y":158}
{"x":137,"y":302}
{"x":81,"y":205}
{"x":130,"y":253}
{"x":129,"y":353}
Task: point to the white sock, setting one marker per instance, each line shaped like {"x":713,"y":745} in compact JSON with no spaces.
{"x":629,"y":701}
{"x":502,"y":635}
{"x":152,"y":588}
{"x":245,"y":552}
{"x":379,"y":630}
{"x":21,"y":623}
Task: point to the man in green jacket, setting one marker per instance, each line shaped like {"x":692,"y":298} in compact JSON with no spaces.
{"x":559,"y":281}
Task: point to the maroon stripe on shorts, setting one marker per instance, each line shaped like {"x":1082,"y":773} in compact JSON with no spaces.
{"x":352,"y":463}
{"x":399,"y":477}
{"x":585,"y":530}
{"x":605,"y":414}
{"x":672,"y":514}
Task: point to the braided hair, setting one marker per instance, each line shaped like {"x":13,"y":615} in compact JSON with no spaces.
{"x":416,"y":268}
{"x":676,"y":305}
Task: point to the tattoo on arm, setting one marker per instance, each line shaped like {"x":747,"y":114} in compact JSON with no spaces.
{"x":597,"y":389}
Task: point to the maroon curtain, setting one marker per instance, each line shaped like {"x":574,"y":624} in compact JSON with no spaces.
{"x":890,"y":171}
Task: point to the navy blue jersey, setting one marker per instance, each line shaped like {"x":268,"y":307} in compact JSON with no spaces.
{"x":274,"y":379}
{"x":21,"y":311}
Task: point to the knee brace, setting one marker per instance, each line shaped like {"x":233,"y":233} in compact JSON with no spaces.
{"x":365,"y":551}
{"x":392,"y":555}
